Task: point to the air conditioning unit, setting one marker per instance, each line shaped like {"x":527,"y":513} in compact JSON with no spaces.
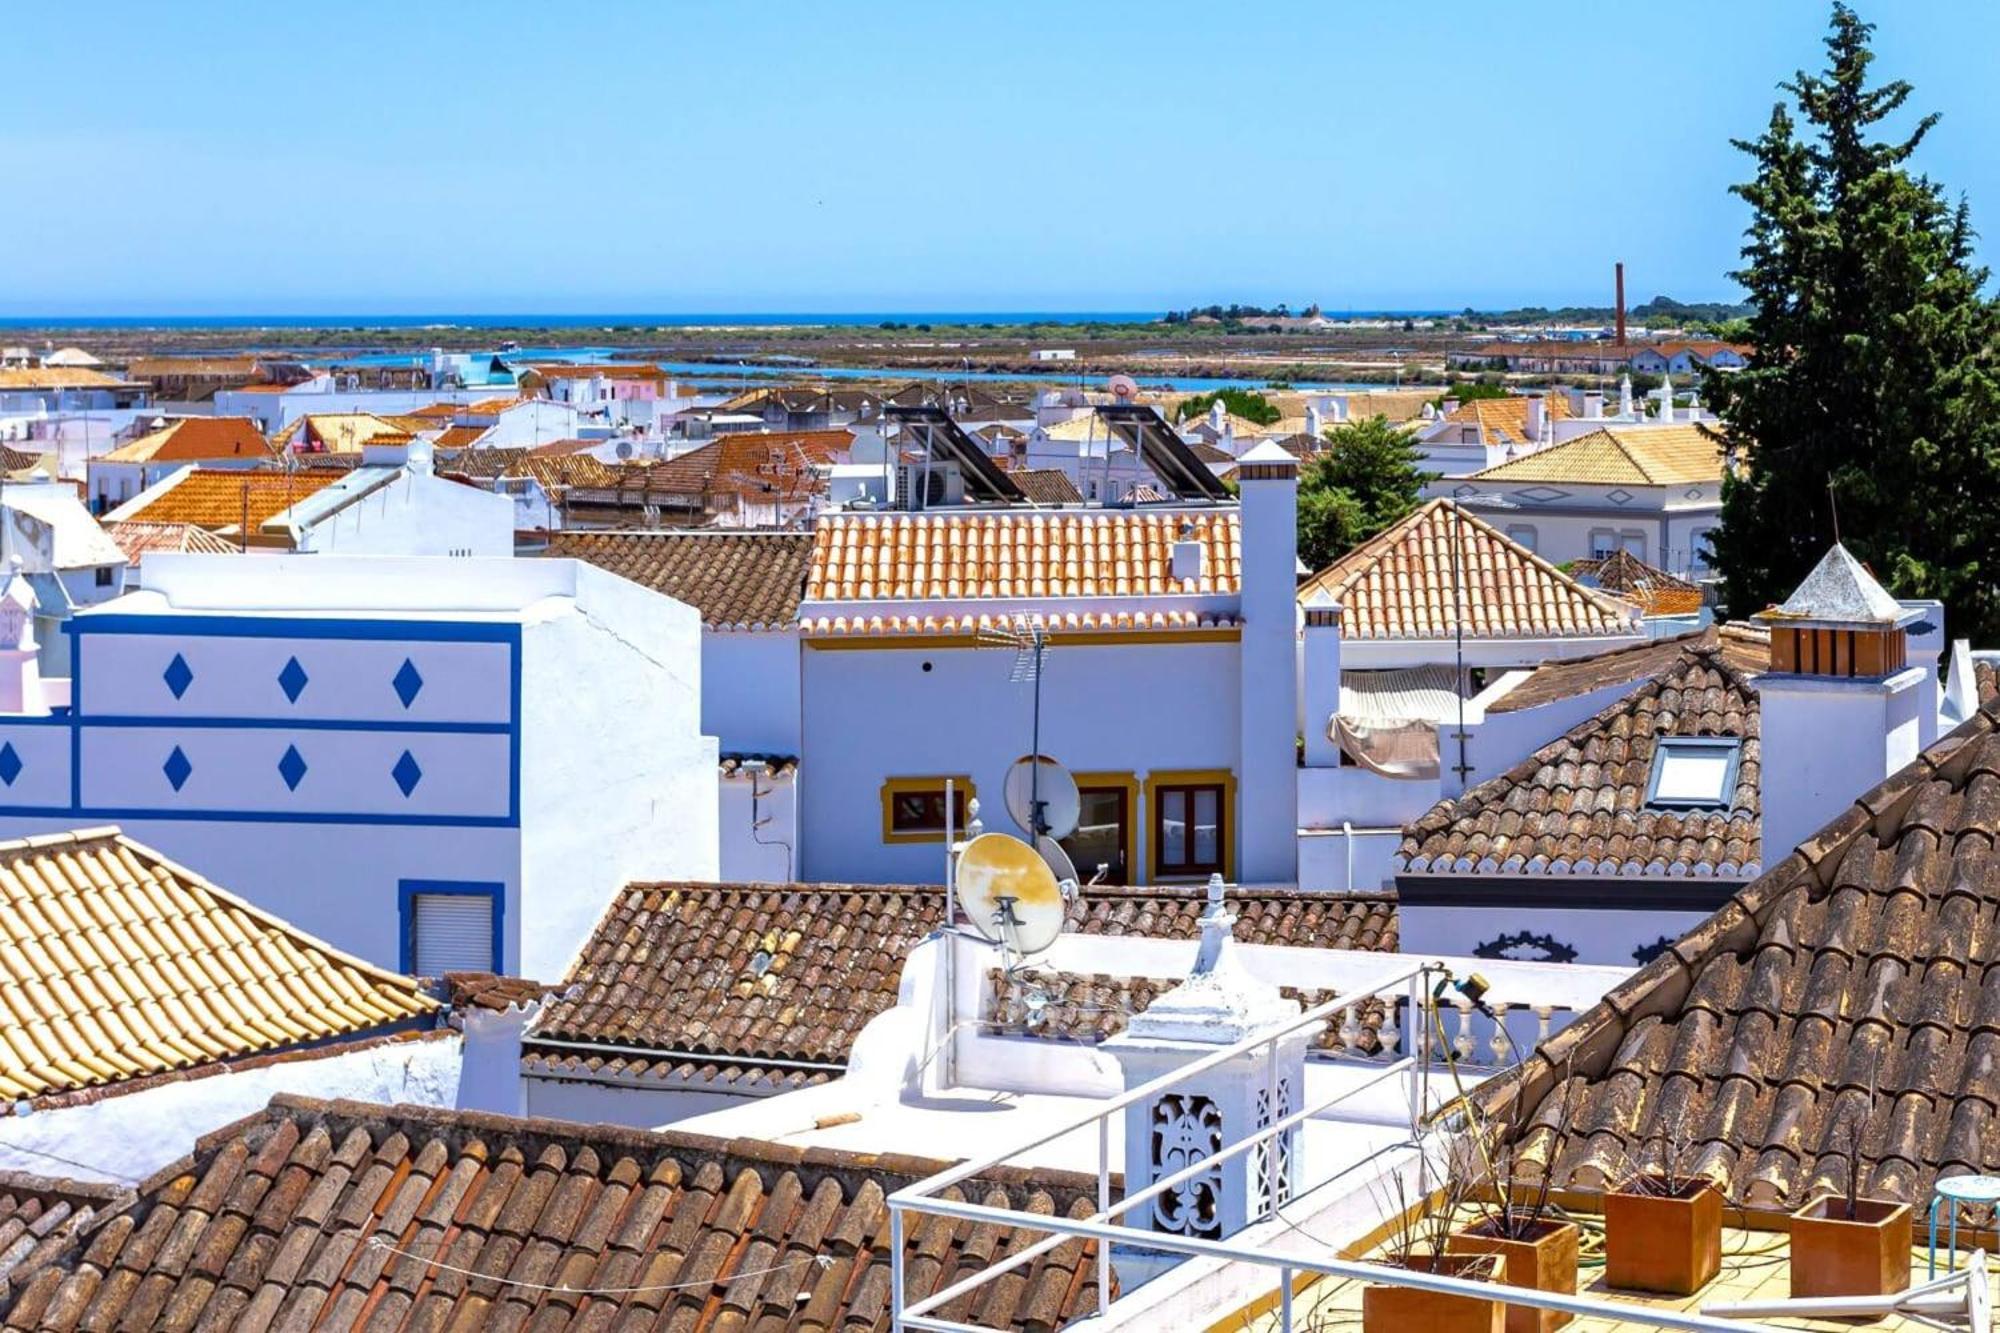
{"x":623,"y":450}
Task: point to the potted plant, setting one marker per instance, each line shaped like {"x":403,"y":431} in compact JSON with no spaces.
{"x":1419,"y":1240}
{"x":1663,"y":1226}
{"x":1845,"y":1245}
{"x":1536,"y":1248}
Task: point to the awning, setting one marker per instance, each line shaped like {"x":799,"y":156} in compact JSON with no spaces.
{"x":1388,"y":720}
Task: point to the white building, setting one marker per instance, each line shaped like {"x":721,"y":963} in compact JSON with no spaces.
{"x":1652,"y":491}
{"x":435,"y":764}
{"x":392,"y":503}
{"x":746,"y":587}
{"x":1166,"y":685}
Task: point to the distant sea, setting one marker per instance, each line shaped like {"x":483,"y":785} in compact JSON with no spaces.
{"x":523,"y":321}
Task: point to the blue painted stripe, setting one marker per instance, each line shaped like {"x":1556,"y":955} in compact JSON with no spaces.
{"x":171,"y":722}
{"x":110,"y":815}
{"x":296,"y":627}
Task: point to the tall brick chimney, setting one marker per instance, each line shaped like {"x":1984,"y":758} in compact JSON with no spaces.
{"x":1621,"y":303}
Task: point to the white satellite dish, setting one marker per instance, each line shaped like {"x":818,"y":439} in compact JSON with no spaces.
{"x":1124,"y":388}
{"x":1009,"y":894}
{"x":1040,"y":779}
{"x":1059,"y":865}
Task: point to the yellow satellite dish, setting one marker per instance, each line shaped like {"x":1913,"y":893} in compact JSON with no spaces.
{"x":1009,"y":893}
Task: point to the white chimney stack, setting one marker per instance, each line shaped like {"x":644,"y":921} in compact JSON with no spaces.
{"x":1537,"y":416}
{"x":1267,"y":801}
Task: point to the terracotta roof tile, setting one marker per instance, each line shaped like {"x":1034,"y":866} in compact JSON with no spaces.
{"x":139,"y":540}
{"x":1986,"y":681}
{"x":1400,"y":585}
{"x":1016,"y":555}
{"x":1578,"y":804}
{"x":192,"y":439}
{"x":1744,"y":648}
{"x":218,"y":500}
{"x":1090,"y":1007}
{"x":1864,"y":962}
{"x":757,"y":466}
{"x":41,"y":1216}
{"x":1653,"y":591}
{"x":102,"y":937}
{"x":1048,"y":486}
{"x":61,"y":377}
{"x":735,"y":579}
{"x":1504,"y":420}
{"x":341,"y":1215}
{"x":761,"y":983}
{"x":1660,"y":455}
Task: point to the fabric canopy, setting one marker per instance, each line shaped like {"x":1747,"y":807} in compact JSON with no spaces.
{"x":1388,"y":720}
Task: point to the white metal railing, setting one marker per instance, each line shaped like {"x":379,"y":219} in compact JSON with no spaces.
{"x":1426,"y":1025}
{"x":921,"y":1196}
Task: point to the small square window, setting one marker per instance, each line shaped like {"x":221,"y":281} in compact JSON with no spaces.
{"x":1694,"y":771}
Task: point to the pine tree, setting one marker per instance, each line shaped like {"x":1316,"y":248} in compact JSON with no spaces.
{"x":1369,"y":475}
{"x":1872,"y":391}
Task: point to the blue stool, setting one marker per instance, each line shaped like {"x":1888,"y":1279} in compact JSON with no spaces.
{"x":1955,"y":1192}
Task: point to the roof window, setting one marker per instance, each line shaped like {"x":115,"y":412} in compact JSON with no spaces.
{"x":1693,"y":771}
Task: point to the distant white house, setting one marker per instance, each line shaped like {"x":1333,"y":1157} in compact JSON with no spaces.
{"x":435,"y":764}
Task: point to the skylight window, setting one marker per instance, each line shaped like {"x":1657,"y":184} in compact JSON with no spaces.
{"x":1694,"y":771}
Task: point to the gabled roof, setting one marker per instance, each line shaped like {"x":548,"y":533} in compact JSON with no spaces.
{"x":737,"y":580}
{"x":1621,"y":456}
{"x":76,"y":539}
{"x":195,"y":439}
{"x":61,"y":377}
{"x":1855,"y":981}
{"x":336,"y":432}
{"x":1503,"y":420}
{"x":349,"y":1215}
{"x":1653,"y":591}
{"x":1577,"y":806}
{"x":756,"y":466}
{"x":121,"y":964}
{"x":1018,"y":554}
{"x":1400,"y":584}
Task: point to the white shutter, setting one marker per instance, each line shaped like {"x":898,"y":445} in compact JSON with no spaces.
{"x":454,"y":933}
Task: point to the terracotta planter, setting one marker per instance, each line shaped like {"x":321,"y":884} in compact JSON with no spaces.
{"x":1835,"y":1254}
{"x":1545,"y":1260}
{"x":1669,"y":1244}
{"x":1387,"y":1309}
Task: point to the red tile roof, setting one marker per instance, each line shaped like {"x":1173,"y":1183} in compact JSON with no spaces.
{"x":195,"y":439}
{"x":737,"y":580}
{"x":346,"y":1215}
{"x":1854,"y":982}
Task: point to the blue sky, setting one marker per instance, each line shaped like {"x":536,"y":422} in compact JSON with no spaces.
{"x":651,"y":157}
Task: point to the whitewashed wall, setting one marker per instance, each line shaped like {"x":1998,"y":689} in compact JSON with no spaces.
{"x":768,"y":854}
{"x":126,"y":1137}
{"x":418,"y":514}
{"x":875,"y":714}
{"x":750,"y":690}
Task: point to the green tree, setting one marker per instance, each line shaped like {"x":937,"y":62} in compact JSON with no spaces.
{"x":1367,"y":477}
{"x":1873,"y":378}
{"x":1245,"y":403}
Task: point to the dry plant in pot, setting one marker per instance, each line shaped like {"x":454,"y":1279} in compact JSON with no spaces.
{"x":1422,"y":1218}
{"x":1847,"y":1245}
{"x":1663,"y":1224}
{"x":1537,"y":1247}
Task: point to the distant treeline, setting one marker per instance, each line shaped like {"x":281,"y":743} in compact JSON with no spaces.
{"x":1233,"y":313}
{"x":1662,"y":310}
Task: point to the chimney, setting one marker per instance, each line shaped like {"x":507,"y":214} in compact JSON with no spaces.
{"x":1666,"y":398}
{"x":1625,"y":396}
{"x":1315,"y":423}
{"x":1621,"y":303}
{"x":1537,"y":415}
{"x":1268,"y":770}
{"x":1322,"y":684}
{"x":1593,"y":404}
{"x":1841,"y":706}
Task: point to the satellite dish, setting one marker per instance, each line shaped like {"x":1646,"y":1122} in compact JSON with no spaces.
{"x":1009,"y":894}
{"x":1059,"y":865}
{"x":1041,"y":779}
{"x":1124,"y":388}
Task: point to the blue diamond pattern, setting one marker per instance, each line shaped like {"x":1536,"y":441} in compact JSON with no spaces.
{"x":178,"y":675}
{"x":292,"y":768}
{"x":408,"y":682}
{"x":10,"y":764}
{"x":177,"y":768}
{"x":292,"y":680}
{"x":406,"y":773}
